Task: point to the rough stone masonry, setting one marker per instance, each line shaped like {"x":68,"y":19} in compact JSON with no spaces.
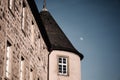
{"x":19,"y":32}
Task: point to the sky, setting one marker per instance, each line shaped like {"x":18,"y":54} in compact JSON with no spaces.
{"x":93,"y":27}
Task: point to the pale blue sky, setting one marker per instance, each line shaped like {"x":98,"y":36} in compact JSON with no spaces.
{"x":98,"y":23}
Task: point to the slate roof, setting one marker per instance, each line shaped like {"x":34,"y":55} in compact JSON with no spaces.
{"x":57,"y":39}
{"x":53,"y":36}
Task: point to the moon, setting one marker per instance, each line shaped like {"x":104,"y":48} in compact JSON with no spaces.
{"x":81,"y":38}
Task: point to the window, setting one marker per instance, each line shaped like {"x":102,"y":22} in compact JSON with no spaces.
{"x":31,"y":74}
{"x":22,"y":68}
{"x":11,"y":4}
{"x":62,"y":66}
{"x":32,"y":33}
{"x":23,"y":15}
{"x":8,"y":60}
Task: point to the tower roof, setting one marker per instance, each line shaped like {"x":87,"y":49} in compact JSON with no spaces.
{"x":55,"y":36}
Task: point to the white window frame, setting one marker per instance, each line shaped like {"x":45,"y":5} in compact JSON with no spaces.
{"x":63,"y":66}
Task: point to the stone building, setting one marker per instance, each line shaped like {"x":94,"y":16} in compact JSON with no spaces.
{"x":32,"y":45}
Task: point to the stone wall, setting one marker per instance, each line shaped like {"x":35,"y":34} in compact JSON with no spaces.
{"x":27,"y":43}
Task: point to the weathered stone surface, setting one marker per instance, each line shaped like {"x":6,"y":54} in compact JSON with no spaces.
{"x":35,"y":55}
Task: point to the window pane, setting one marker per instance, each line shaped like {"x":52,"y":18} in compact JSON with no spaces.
{"x":64,"y":68}
{"x":64,"y":72}
{"x":60,"y":60}
{"x":60,"y":68}
{"x":60,"y":71}
{"x":64,"y":60}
